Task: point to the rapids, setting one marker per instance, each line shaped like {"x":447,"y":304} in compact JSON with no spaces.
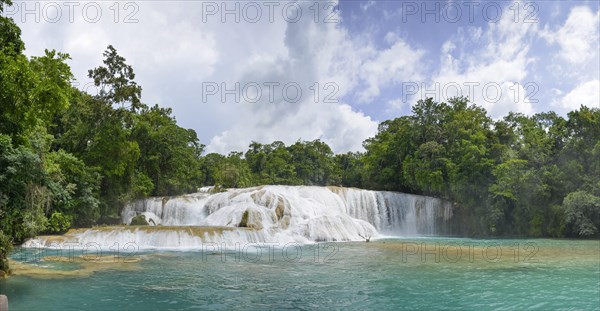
{"x":271,"y":214}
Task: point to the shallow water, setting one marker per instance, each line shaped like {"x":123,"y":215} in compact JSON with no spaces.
{"x":388,"y":274}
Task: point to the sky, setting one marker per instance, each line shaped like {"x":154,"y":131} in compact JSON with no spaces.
{"x":242,"y":71}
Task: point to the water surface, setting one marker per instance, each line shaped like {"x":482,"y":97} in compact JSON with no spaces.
{"x":388,"y":274}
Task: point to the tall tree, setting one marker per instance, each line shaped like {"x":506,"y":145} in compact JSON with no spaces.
{"x":171,"y":153}
{"x":116,"y":81}
{"x":10,"y":33}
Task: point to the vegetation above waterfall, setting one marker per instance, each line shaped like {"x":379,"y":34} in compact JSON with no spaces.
{"x":69,"y":159}
{"x":535,"y":176}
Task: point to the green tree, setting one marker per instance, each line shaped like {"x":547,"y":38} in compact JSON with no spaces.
{"x":235,"y":172}
{"x":313,"y":162}
{"x":97,"y":129}
{"x":271,"y":164}
{"x":350,"y":169}
{"x":171,"y":153}
{"x":75,"y":189}
{"x":279,"y":168}
{"x":582,"y":211}
{"x":10,"y":33}
{"x":210,"y":168}
{"x":32,"y":92}
{"x":116,"y":81}
{"x":24,"y":198}
{"x":386,"y":153}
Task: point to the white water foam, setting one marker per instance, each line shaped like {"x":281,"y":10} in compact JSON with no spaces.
{"x":276,"y":214}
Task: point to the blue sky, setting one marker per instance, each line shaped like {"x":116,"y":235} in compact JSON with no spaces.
{"x":425,"y":29}
{"x":369,"y":60}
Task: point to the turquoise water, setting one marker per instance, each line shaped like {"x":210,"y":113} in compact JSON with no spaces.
{"x":391,"y":274}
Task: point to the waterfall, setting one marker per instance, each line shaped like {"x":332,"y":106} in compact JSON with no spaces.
{"x":274,"y":214}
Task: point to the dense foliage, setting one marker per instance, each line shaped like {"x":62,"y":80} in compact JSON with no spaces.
{"x":69,"y":159}
{"x":522,"y":175}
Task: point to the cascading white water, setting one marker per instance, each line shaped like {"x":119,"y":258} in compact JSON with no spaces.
{"x":187,"y":210}
{"x":278,"y":214}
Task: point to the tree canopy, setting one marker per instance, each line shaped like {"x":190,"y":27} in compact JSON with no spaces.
{"x":70,"y":159}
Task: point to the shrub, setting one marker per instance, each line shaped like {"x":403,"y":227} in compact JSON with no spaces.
{"x":139,"y":220}
{"x":582,"y":211}
{"x":5,"y":248}
{"x":59,"y":223}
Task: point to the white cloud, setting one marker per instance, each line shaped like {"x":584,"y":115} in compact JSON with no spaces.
{"x":173,"y":51}
{"x":314,"y":53}
{"x":578,"y":37}
{"x":576,"y":62}
{"x":366,"y":5}
{"x":586,"y":94}
{"x":493,"y":74}
{"x":323,"y":53}
{"x":165,"y":48}
{"x":398,"y":63}
{"x":576,"y":57}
